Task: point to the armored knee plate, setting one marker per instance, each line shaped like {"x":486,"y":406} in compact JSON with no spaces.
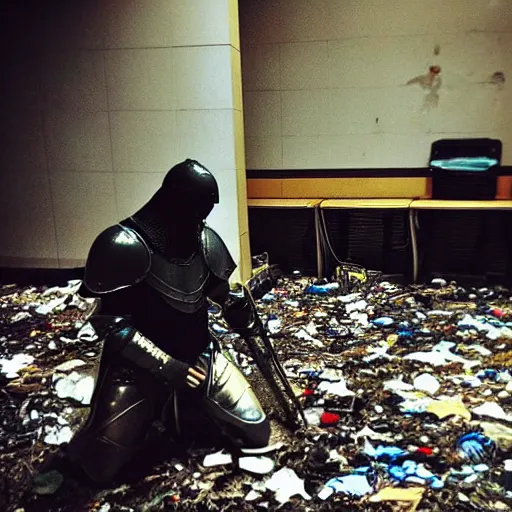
{"x":233,"y":406}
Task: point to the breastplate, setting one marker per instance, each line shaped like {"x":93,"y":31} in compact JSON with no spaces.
{"x":181,"y":285}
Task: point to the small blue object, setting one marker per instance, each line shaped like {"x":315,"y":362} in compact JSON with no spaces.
{"x":389,"y":453}
{"x":397,"y":473}
{"x":310,"y":372}
{"x":489,"y":373}
{"x":219,"y":329}
{"x":405,"y":333}
{"x":476,"y":447}
{"x":436,"y":483}
{"x":322,"y":289}
{"x":353,"y":485}
{"x":384,"y":321}
{"x":413,"y":472}
{"x":337,"y":332}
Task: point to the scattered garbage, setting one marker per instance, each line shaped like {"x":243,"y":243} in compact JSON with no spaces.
{"x":427,"y":382}
{"x":407,"y":391}
{"x":475,"y":447}
{"x":411,"y":495}
{"x":13,"y":365}
{"x":76,"y":386}
{"x":353,"y":485}
{"x":285,"y":483}
{"x":257,"y":465}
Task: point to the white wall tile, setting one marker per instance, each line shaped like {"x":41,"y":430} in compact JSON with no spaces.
{"x":264,"y":152}
{"x":303,"y":20}
{"x":143,"y":141}
{"x":304,"y":65}
{"x":207,"y":136}
{"x":305,"y":113}
{"x":379,"y":150}
{"x":21,"y":141}
{"x":262,"y":113}
{"x":27,"y":228}
{"x":134,"y":189}
{"x":356,"y":18}
{"x":203,"y":77}
{"x":78,"y":141}
{"x":474,"y":57}
{"x":74,"y":81}
{"x":84,"y":205}
{"x":284,"y":21}
{"x":374,"y":48}
{"x":475,"y":108}
{"x":260,"y":22}
{"x":379,"y":62}
{"x":402,"y":109}
{"x":135,"y":24}
{"x":355,"y":110}
{"x":199,"y":23}
{"x":307,"y":152}
{"x":140,"y":79}
{"x":260,"y":67}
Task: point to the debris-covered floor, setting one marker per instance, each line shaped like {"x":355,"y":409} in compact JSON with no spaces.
{"x":407,"y":391}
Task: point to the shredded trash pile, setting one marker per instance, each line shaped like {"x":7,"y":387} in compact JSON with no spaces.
{"x":407,"y":391}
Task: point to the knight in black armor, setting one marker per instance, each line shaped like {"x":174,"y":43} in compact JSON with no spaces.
{"x":153,"y":274}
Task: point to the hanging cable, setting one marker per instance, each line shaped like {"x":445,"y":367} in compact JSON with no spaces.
{"x":325,"y":236}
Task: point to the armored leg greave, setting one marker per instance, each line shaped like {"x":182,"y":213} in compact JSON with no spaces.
{"x":121,"y":415}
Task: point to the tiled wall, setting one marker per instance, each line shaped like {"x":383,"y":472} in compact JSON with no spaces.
{"x":325,"y":81}
{"x":102,"y":99}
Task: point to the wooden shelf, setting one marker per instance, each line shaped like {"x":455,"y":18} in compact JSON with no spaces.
{"x":283,"y":203}
{"x":366,"y":203}
{"x":438,"y":204}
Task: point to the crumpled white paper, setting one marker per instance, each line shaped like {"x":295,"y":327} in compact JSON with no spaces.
{"x":12,"y":366}
{"x":76,"y":386}
{"x":285,"y":484}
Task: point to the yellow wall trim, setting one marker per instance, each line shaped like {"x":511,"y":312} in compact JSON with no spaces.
{"x":337,"y":188}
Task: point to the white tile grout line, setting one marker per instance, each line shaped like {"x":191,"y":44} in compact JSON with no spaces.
{"x":46,"y":157}
{"x":110,"y":132}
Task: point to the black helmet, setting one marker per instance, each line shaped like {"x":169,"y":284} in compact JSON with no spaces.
{"x":192,"y":188}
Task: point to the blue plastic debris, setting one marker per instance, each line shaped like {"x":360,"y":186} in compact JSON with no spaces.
{"x":389,"y":453}
{"x":384,"y":321}
{"x":219,"y":329}
{"x":405,"y":332}
{"x":476,"y":447}
{"x":337,"y":332}
{"x":355,"y":484}
{"x":413,"y":472}
{"x":322,"y":289}
{"x":489,"y":373}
